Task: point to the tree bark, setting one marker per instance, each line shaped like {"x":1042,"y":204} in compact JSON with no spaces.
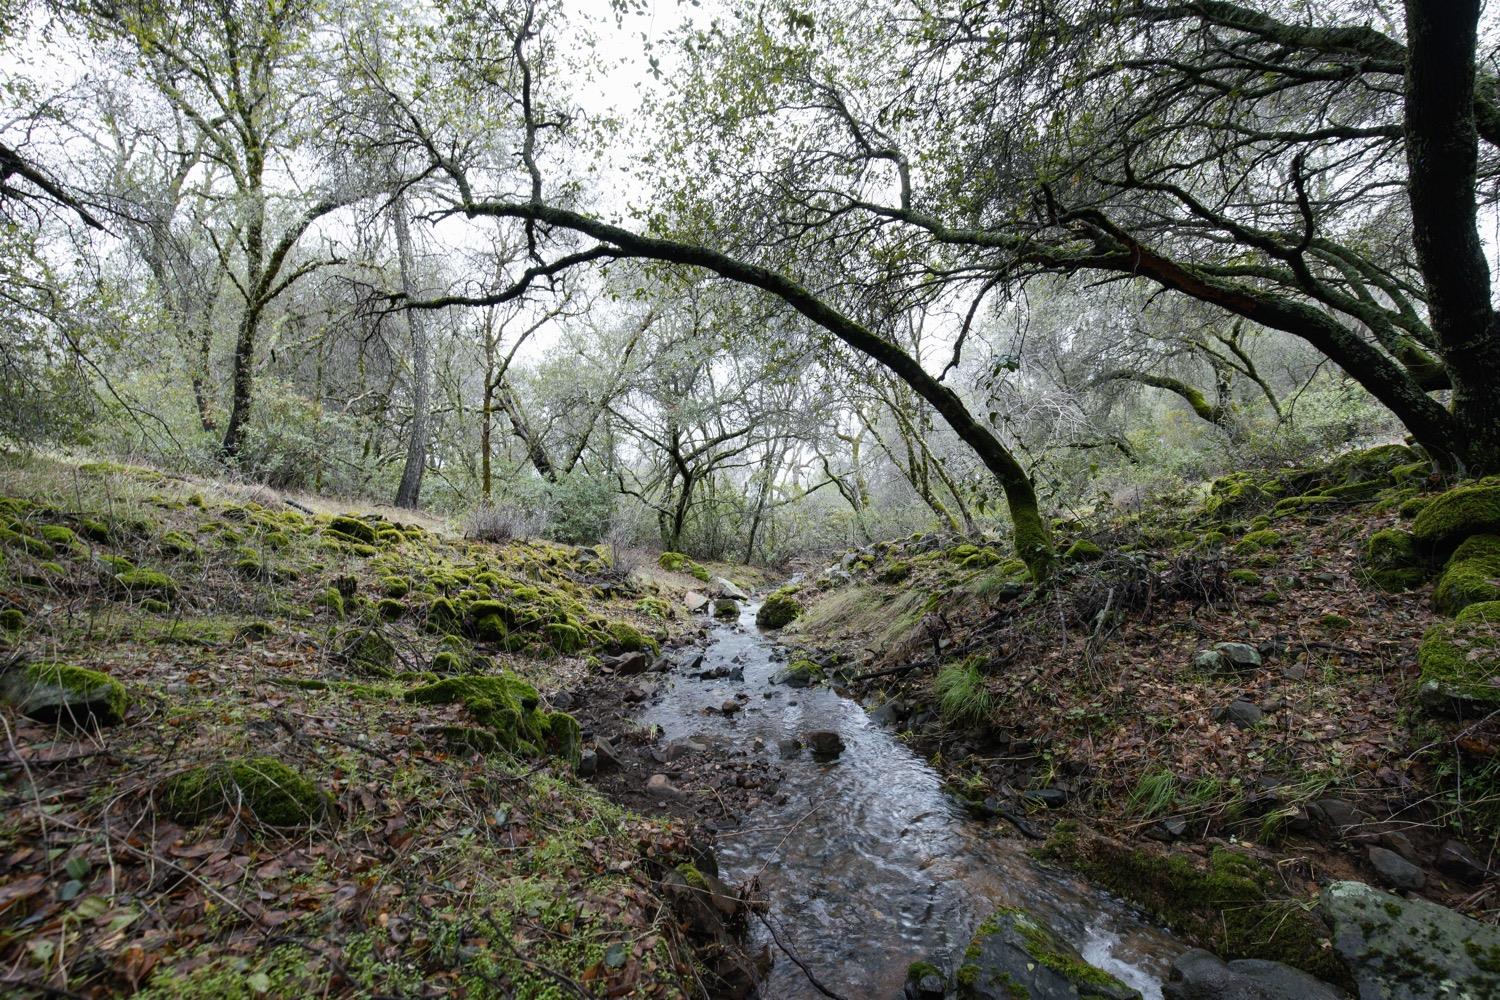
{"x":1442,"y":151}
{"x":409,"y":492}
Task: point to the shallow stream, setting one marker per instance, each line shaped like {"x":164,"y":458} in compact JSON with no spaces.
{"x":868,"y":865}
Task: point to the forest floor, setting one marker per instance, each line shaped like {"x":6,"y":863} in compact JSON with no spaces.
{"x":293,"y":790}
{"x":296,"y":788}
{"x":1085,"y":711}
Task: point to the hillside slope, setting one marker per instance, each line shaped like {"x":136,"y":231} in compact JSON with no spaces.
{"x":250,"y":752}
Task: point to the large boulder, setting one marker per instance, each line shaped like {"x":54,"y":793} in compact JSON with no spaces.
{"x":64,"y":693}
{"x":1201,"y":975}
{"x":728,"y":588}
{"x":1460,"y":663}
{"x":778,"y":610}
{"x":1471,"y":576}
{"x":1013,"y":954}
{"x":1471,"y":509}
{"x":1410,"y":949}
{"x":726,"y":607}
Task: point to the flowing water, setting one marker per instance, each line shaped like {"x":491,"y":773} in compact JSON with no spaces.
{"x":868,"y":866}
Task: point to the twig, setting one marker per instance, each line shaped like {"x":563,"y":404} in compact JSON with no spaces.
{"x":797,"y":960}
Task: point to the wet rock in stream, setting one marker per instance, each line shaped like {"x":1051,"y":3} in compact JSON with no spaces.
{"x":1200,"y":975}
{"x":1015,"y":954}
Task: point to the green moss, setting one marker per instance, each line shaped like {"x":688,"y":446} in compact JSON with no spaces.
{"x":626,"y":638}
{"x":1257,"y":541}
{"x":1299,"y":504}
{"x":510,"y":707}
{"x":1460,"y":662}
{"x":1248,"y":577}
{"x":331,"y":599}
{"x":58,"y":536}
{"x":273,"y":792}
{"x":1471,"y":509}
{"x":963,"y":698}
{"x":390,"y":609}
{"x":1466,"y":583}
{"x":442,"y":616}
{"x":1229,"y":906}
{"x":699,"y":572}
{"x":893,"y":572}
{"x":654,"y":607}
{"x":1083,"y":550}
{"x":564,"y":637}
{"x":672,"y":561}
{"x":146,"y":581}
{"x":1392,"y":560}
{"x":352,"y":528}
{"x":175,"y":543}
{"x":12,"y":620}
{"x":779,"y":610}
{"x":62,"y":693}
{"x":1335,"y":622}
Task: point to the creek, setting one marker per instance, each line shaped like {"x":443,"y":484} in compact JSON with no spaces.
{"x":866,"y":863}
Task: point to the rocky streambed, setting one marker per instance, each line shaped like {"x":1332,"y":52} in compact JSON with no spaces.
{"x":872,"y":881}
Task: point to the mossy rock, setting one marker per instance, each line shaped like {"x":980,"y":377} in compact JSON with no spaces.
{"x":673,"y":562}
{"x":389,"y":609}
{"x":272,"y":791}
{"x":1471,"y":576}
{"x":626,"y":638}
{"x":331,"y":599}
{"x":1248,"y":577}
{"x":352,"y":528}
{"x":12,"y":620}
{"x":893,"y":572}
{"x":1013,"y":954}
{"x":1229,"y":906}
{"x":1393,"y":560}
{"x":1377,"y":464}
{"x":1258,"y":541}
{"x":1235,"y":495}
{"x":654,"y":607}
{"x":29,"y":543}
{"x":64,"y":693}
{"x":1460,"y":663}
{"x":59,"y":536}
{"x":175,"y":543}
{"x":442,"y":616}
{"x":509,"y":707}
{"x":780,"y":610}
{"x":1451,"y":517}
{"x":1301,"y":504}
{"x":1083,"y":550}
{"x":146,"y":581}
{"x":699,"y":572}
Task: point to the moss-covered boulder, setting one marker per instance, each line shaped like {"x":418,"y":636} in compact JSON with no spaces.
{"x":1451,"y":517}
{"x":1258,"y":541}
{"x":778,"y":611}
{"x":1083,"y":550}
{"x":673,"y":562}
{"x":626,"y":638}
{"x":1230,"y":905}
{"x":1471,"y":576}
{"x":891,"y":572}
{"x":64,"y":693}
{"x":1460,"y":663}
{"x":353,"y":529}
{"x":1393,"y":561}
{"x":269,"y":789}
{"x":1013,"y":954}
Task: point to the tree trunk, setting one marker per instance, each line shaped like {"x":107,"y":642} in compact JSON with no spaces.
{"x":410,"y":490}
{"x":1442,"y":150}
